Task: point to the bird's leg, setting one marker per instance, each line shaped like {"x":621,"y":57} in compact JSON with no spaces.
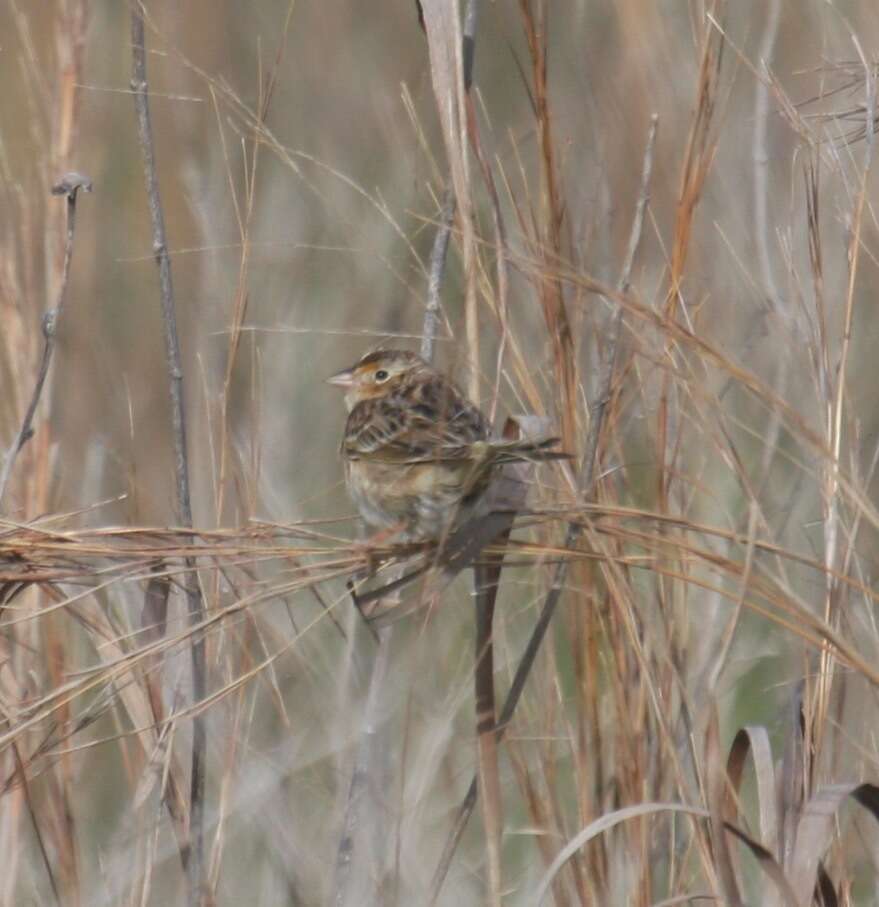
{"x":379,"y":539}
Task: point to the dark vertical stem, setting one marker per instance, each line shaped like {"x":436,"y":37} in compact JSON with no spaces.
{"x":486,"y":579}
{"x":587,"y":474}
{"x":181,"y":462}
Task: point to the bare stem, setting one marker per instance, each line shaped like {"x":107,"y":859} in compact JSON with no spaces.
{"x":574,"y":531}
{"x":68,"y":186}
{"x":485,"y":580}
{"x":438,"y":255}
{"x":440,"y":249}
{"x":174,"y":365}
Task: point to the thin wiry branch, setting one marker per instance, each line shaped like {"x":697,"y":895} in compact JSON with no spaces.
{"x":68,"y":186}
{"x":195,"y":605}
{"x":575,"y":528}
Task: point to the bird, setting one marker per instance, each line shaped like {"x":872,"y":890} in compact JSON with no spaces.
{"x":418,"y":455}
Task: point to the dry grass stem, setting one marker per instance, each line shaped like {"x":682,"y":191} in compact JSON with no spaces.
{"x":679,"y":619}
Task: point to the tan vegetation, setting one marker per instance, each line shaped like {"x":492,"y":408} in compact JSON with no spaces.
{"x":664,"y":242}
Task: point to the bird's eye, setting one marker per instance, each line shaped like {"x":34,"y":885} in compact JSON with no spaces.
{"x":381,"y":375}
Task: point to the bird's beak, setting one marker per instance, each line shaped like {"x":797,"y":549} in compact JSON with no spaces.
{"x":345,"y":378}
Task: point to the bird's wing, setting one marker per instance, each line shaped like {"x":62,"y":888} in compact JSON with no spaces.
{"x":427,"y":421}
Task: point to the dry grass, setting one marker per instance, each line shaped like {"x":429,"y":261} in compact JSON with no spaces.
{"x":699,"y":716}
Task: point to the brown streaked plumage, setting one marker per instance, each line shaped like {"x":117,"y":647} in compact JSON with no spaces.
{"x":418,"y":455}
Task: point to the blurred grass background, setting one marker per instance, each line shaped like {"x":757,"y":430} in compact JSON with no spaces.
{"x":314,"y":228}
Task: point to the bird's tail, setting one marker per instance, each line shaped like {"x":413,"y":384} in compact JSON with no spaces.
{"x":495,"y":452}
{"x":532,"y":451}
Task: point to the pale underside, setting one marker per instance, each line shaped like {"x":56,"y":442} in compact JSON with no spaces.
{"x":422,"y":501}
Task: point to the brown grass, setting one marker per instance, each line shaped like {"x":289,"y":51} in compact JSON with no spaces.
{"x":697,"y":720}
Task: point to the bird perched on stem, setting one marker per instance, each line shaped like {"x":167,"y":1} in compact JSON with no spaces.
{"x":418,"y":455}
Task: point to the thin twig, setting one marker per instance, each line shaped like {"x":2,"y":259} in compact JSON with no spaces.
{"x":437,"y":267}
{"x":68,"y":186}
{"x":195,"y":604}
{"x":575,"y":529}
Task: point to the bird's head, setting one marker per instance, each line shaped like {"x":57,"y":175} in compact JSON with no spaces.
{"x":377,"y":375}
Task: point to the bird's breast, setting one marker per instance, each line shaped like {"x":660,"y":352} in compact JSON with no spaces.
{"x":425,"y":497}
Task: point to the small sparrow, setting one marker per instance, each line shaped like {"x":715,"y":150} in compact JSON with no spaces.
{"x":418,"y":455}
